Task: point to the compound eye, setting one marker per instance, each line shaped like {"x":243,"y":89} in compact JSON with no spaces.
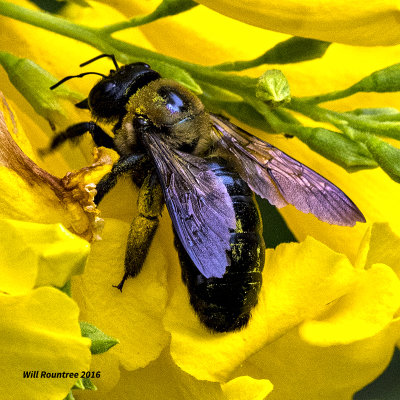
{"x":109,"y":88}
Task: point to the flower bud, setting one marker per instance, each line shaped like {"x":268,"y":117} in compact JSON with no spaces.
{"x":273,"y":88}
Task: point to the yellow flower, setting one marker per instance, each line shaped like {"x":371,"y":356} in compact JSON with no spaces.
{"x":162,"y":379}
{"x":356,"y":23}
{"x":39,"y":327}
{"x":314,"y":312}
{"x":346,"y":345}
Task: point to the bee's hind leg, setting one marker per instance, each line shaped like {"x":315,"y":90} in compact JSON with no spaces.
{"x":100,"y":137}
{"x":143,"y":226}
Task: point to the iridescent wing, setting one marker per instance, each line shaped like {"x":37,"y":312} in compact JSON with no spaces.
{"x":198,"y":203}
{"x":280,"y":179}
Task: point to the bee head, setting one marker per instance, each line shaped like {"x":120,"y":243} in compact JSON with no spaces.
{"x":108,"y":97}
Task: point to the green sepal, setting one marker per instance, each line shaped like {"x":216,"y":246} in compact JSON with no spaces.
{"x":386,"y":155}
{"x":170,"y":71}
{"x":100,"y":341}
{"x":88,"y":384}
{"x":84,"y":384}
{"x":336,"y":147}
{"x":273,"y":88}
{"x":79,"y":385}
{"x":69,"y":396}
{"x":33,"y":82}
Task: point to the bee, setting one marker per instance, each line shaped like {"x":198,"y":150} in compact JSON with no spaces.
{"x":206,"y":170}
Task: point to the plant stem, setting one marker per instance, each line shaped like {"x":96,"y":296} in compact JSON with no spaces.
{"x":322,"y":98}
{"x":342,"y":120}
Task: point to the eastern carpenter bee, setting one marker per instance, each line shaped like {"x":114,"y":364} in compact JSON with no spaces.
{"x":206,"y":170}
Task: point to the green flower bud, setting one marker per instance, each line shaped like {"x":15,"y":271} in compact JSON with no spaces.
{"x":374,"y":112}
{"x":173,"y":7}
{"x":273,"y":88}
{"x":33,"y":82}
{"x":295,"y":49}
{"x":386,"y":155}
{"x":384,"y":80}
{"x":337,"y":147}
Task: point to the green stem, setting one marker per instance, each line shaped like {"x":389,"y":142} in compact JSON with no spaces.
{"x":341,"y":120}
{"x":322,"y":98}
{"x":273,"y":119}
{"x":132,"y":23}
{"x":384,"y":117}
{"x":240,"y":65}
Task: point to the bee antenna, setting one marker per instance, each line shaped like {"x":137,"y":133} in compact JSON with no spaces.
{"x":67,"y":78}
{"x":101,"y":56}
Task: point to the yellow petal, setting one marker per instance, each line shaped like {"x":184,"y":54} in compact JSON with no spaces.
{"x":372,"y":24}
{"x":162,"y":379}
{"x":182,"y":35}
{"x":38,"y":255}
{"x":383,"y":247}
{"x":12,"y":124}
{"x":301,"y":371}
{"x":40,"y":332}
{"x":247,"y":388}
{"x":32,"y":194}
{"x":134,"y":316}
{"x":298,"y":281}
{"x":363,"y":312}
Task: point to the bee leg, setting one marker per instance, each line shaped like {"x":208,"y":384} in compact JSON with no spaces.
{"x":100,"y":137}
{"x":143,"y":227}
{"x":136,"y":164}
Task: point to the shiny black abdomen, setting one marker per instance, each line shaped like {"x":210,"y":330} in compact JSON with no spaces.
{"x":225,"y":304}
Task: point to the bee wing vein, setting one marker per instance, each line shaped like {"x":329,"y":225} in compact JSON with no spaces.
{"x":199,"y":205}
{"x":282,"y":180}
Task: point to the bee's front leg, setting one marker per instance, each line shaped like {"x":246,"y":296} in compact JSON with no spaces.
{"x":137,"y":165}
{"x":143,"y":227}
{"x":100,"y":137}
